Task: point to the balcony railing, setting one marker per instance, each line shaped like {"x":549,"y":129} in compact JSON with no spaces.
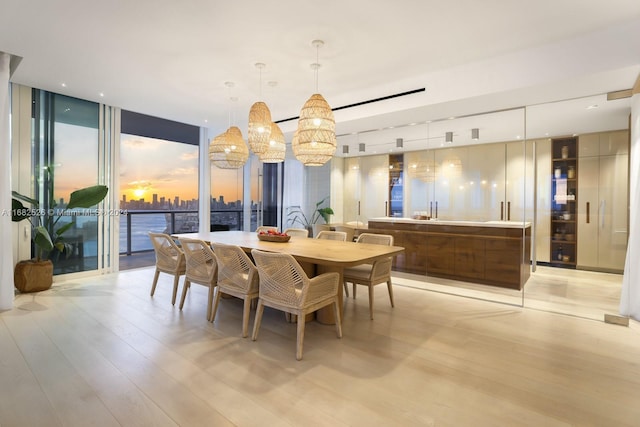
{"x":135,"y":226}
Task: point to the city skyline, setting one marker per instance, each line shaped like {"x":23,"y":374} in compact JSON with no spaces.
{"x":163,"y":203}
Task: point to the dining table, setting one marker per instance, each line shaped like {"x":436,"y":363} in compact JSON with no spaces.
{"x":316,"y":256}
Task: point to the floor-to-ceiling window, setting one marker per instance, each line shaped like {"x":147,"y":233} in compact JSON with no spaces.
{"x":66,"y":147}
{"x":227,"y":205}
{"x":158,"y":175}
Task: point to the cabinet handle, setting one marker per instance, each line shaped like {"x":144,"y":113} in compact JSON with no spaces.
{"x":501,"y":211}
{"x":588,"y":213}
{"x":358,"y":207}
{"x":603,"y":204}
{"x":436,"y":209}
{"x":508,"y":211}
{"x":431,"y":210}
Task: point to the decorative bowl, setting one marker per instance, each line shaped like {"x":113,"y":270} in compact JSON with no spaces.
{"x":273,"y":238}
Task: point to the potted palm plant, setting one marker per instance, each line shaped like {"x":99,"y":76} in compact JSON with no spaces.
{"x":297,"y":215}
{"x":48,"y":236}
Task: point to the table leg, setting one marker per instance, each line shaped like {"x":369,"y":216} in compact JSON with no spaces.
{"x":325,"y":314}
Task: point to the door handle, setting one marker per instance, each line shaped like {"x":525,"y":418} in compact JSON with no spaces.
{"x":436,"y":209}
{"x":603,"y":204}
{"x":508,"y":211}
{"x":501,"y":211}
{"x":386,"y":208}
{"x":358,"y":207}
{"x":431,"y":210}
{"x":588,"y":213}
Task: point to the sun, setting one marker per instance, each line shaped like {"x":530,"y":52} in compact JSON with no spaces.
{"x":139,"y":192}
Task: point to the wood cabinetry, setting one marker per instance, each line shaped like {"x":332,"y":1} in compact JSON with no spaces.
{"x":564,"y":192}
{"x":493,"y":255}
{"x":602,"y":221}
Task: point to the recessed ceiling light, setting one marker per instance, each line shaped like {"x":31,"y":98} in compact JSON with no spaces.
{"x":101,"y":94}
{"x":63,"y":85}
{"x":206,"y":121}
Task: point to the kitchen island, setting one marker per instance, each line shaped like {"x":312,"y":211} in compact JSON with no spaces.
{"x":494,"y":253}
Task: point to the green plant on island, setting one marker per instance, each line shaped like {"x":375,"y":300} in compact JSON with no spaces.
{"x":297,"y":215}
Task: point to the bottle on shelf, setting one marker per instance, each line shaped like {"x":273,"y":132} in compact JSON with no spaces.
{"x":559,"y":253}
{"x":557,"y":173}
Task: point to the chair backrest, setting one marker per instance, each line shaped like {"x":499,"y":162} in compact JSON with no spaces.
{"x":297,"y":232}
{"x":282,"y":279}
{"x":235,"y":267}
{"x":347,"y":229}
{"x":201,"y":262}
{"x":168,"y":255}
{"x":266,"y":228}
{"x":332,"y":235}
{"x":376,"y":239}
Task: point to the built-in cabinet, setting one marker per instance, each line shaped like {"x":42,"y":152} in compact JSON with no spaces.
{"x":484,"y":182}
{"x":564,"y":191}
{"x":602,"y":220}
{"x":396,"y":185}
{"x":373,"y":183}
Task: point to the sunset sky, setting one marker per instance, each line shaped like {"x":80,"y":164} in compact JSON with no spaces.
{"x":152,"y":166}
{"x":147,"y":166}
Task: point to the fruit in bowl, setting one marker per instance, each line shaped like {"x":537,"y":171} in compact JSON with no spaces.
{"x":272,"y":233}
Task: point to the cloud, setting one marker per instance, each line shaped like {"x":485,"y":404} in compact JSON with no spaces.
{"x":139,"y":184}
{"x":191,"y":155}
{"x":183,"y":171}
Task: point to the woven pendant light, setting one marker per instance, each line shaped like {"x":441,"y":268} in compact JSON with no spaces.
{"x":228,"y":150}
{"x":259,"y":127}
{"x":315,"y":140}
{"x":277,"y":147}
{"x":259,"y":122}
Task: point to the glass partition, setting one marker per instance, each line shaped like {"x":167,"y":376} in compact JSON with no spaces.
{"x":582,"y":157}
{"x":531,"y":204}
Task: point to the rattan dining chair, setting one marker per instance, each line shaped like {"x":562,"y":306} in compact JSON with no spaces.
{"x":237,"y":276}
{"x":332,"y":235}
{"x":349,"y":230}
{"x":297,"y":232}
{"x":285,"y":286}
{"x":202,"y":268}
{"x":169,"y":260}
{"x":371,"y":274}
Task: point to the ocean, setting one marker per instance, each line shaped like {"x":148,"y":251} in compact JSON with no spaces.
{"x":141,"y":225}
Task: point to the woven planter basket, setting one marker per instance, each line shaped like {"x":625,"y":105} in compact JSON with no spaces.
{"x":33,"y":276}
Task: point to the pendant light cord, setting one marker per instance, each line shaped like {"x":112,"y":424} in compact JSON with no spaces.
{"x":317,"y":64}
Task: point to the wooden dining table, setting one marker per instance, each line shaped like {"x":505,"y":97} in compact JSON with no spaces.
{"x":317,"y":256}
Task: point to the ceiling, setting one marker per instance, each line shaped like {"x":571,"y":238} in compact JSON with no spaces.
{"x":172,"y":60}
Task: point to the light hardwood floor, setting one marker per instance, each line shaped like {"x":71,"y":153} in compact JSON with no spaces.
{"x":100,"y":351}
